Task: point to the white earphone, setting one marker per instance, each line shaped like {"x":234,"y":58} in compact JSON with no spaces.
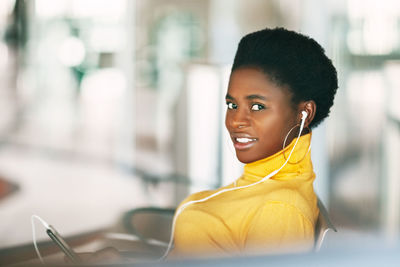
{"x":304,"y":115}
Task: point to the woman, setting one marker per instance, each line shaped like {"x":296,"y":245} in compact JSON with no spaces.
{"x":277,"y":75}
{"x":281,"y":83}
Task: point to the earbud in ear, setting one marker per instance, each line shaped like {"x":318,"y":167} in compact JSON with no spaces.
{"x":304,"y":115}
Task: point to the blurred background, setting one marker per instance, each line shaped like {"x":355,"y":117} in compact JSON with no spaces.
{"x":111,"y":105}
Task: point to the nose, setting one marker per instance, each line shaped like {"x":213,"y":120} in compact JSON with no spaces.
{"x":240,"y":119}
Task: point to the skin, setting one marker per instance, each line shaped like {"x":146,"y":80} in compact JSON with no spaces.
{"x":261,"y":110}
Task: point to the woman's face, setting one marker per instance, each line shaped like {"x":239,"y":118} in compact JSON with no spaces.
{"x":259,"y":114}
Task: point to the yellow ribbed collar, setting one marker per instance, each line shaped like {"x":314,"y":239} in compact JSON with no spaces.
{"x":257,"y":170}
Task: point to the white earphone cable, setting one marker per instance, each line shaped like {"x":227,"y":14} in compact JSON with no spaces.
{"x":226,"y":190}
{"x":33,"y":217}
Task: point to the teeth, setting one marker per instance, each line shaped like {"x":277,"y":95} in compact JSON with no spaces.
{"x":244,"y":140}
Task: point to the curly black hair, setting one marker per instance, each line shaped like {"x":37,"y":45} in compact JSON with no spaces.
{"x":295,"y":60}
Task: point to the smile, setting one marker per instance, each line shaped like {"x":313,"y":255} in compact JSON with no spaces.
{"x":243,"y":143}
{"x":245,"y":140}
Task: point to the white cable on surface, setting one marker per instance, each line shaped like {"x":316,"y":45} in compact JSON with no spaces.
{"x":45,"y":224}
{"x":223,"y":191}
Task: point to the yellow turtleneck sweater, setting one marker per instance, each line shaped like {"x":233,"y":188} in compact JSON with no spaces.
{"x":277,"y":215}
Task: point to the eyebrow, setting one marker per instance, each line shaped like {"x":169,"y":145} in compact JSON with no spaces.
{"x":228,"y":96}
{"x":249,"y":97}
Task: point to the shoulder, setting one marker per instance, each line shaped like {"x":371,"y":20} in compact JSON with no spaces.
{"x":203,"y":194}
{"x":197,"y":196}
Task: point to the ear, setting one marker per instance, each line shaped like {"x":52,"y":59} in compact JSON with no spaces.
{"x":311,"y":108}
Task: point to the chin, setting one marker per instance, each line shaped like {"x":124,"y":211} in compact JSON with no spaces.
{"x":245,"y":158}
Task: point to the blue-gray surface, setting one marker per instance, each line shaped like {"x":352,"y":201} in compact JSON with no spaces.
{"x":350,"y":254}
{"x":345,"y":257}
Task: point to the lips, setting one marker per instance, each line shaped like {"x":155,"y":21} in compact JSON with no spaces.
{"x":243,"y":141}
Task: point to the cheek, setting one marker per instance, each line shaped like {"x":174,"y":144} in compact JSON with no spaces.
{"x":271,"y":128}
{"x":228,"y":120}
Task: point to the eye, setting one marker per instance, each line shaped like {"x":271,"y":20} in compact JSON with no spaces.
{"x":257,"y":107}
{"x":231,"y":105}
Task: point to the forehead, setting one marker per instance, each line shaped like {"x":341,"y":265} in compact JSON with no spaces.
{"x":250,"y":81}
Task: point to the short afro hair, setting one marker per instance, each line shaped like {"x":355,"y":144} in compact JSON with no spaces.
{"x":294,"y":60}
